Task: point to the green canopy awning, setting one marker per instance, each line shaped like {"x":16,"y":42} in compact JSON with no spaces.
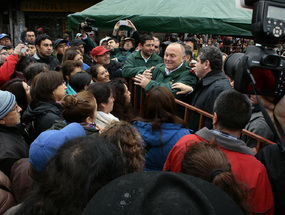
{"x":182,"y":16}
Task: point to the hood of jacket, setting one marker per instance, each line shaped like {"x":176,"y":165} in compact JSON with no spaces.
{"x":46,"y":60}
{"x":156,"y":137}
{"x":39,"y":108}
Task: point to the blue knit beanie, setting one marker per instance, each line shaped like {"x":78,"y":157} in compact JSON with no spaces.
{"x":7,"y":102}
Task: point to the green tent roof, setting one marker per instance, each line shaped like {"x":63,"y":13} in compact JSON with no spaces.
{"x":181,"y":16}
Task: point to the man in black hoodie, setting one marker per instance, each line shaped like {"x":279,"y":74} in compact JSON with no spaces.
{"x":44,"y":48}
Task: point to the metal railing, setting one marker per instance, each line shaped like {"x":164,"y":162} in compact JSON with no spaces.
{"x":138,"y":90}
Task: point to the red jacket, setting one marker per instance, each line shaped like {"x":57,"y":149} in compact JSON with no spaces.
{"x":246,"y":169}
{"x":8,"y":68}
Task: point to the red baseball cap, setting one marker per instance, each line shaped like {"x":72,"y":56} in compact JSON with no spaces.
{"x":98,"y":50}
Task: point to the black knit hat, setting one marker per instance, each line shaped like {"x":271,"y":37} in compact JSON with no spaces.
{"x":161,"y":193}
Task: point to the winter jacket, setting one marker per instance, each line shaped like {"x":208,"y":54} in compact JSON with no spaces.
{"x":273,"y":160}
{"x":245,"y":167}
{"x":21,"y":181}
{"x":161,"y":79}
{"x":12,"y":148}
{"x":257,"y":125}
{"x":159,"y":143}
{"x":8,"y":68}
{"x":51,"y":61}
{"x":120,"y":54}
{"x":7,"y":199}
{"x":135,"y":64}
{"x":204,"y":95}
{"x":44,"y":114}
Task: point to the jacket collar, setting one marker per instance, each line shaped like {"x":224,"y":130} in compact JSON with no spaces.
{"x":154,"y":56}
{"x":212,"y":77}
{"x":46,"y":60}
{"x":176,"y":73}
{"x":224,"y":142}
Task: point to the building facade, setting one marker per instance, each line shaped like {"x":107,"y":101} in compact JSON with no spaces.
{"x":50,"y":15}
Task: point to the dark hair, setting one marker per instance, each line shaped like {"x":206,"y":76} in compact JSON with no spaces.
{"x":213,"y":55}
{"x":101,"y":91}
{"x":202,"y":159}
{"x":76,"y":108}
{"x":159,"y":107}
{"x":76,"y":48}
{"x":31,"y":43}
{"x":44,"y":84}
{"x":23,"y":63}
{"x":34,"y":69}
{"x":188,"y":51}
{"x":40,"y":38}
{"x":121,"y":109}
{"x":128,"y":140}
{"x":78,"y":170}
{"x":70,"y":55}
{"x":233,"y":110}
{"x":15,"y":86}
{"x":94,"y":70}
{"x":145,"y":37}
{"x":193,"y":40}
{"x":68,"y":67}
{"x":80,"y":80}
{"x":113,"y":38}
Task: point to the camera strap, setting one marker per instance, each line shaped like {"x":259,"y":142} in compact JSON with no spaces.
{"x":279,"y":136}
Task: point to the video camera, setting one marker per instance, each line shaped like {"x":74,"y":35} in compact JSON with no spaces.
{"x":260,"y":64}
{"x":87,"y":27}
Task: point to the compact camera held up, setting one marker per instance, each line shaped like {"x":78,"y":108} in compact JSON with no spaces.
{"x":260,"y":64}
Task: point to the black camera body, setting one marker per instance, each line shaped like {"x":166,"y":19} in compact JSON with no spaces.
{"x":87,"y":27}
{"x":268,"y":22}
{"x":260,"y":65}
{"x":264,"y":65}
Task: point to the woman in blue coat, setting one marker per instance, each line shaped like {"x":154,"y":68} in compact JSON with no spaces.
{"x":159,"y":126}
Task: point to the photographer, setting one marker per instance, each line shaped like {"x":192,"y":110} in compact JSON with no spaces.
{"x":135,"y":36}
{"x":88,"y":41}
{"x":272,"y":157}
{"x":8,"y":62}
{"x":260,"y":70}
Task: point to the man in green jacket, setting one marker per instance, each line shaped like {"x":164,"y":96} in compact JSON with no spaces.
{"x":172,"y":71}
{"x":144,"y":59}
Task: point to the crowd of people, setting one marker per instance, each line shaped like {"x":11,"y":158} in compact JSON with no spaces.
{"x":70,"y":142}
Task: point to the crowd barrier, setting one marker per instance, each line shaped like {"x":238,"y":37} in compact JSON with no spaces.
{"x":138,"y":105}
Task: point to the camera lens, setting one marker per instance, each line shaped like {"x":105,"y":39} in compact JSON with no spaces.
{"x":231,"y":64}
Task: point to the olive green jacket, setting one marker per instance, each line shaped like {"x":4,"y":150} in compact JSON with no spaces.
{"x":160,"y":78}
{"x":135,"y":64}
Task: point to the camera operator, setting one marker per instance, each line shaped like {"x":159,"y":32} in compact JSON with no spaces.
{"x":272,"y":157}
{"x":260,"y":70}
{"x":85,"y":38}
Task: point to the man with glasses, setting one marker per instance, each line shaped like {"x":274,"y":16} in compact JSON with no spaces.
{"x":13,"y":146}
{"x":8,"y":62}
